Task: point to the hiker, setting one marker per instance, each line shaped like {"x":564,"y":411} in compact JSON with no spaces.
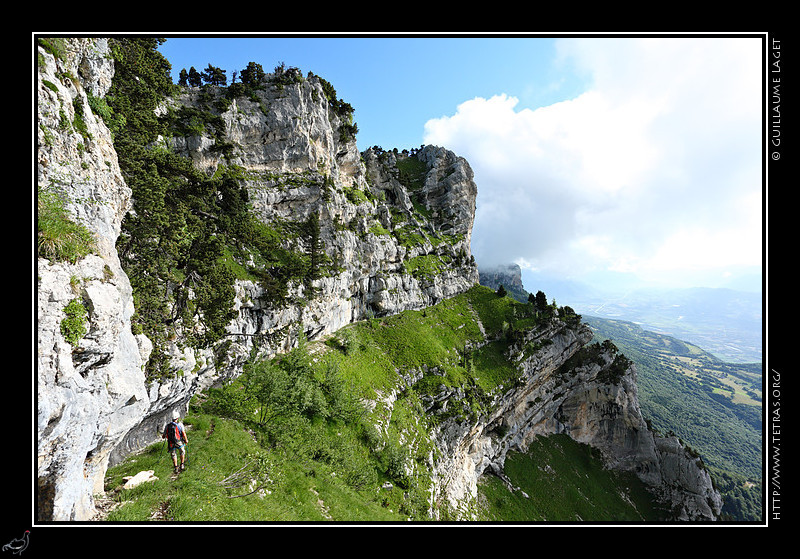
{"x":175,"y":433}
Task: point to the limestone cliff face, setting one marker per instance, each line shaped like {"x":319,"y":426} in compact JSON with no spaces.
{"x":396,"y":229}
{"x":90,"y":395}
{"x":589,"y":393}
{"x":392,"y":246}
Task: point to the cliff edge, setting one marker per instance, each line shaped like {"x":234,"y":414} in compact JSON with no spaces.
{"x":372,"y":234}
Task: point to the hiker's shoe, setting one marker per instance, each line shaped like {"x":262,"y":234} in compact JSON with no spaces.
{"x":183,"y":467}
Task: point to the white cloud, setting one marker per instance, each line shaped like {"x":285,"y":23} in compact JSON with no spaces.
{"x":656,"y":167}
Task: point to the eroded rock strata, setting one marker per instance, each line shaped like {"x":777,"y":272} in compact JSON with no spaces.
{"x":395,"y":229}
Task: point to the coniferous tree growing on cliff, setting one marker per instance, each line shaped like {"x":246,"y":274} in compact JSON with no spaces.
{"x":215,"y":76}
{"x":283,"y":75}
{"x":140,"y":83}
{"x":195,"y":78}
{"x":348,"y":129}
{"x":540,"y":300}
{"x":171,"y":244}
{"x":253,"y":75}
{"x":251,"y":79}
{"x":178,"y":243}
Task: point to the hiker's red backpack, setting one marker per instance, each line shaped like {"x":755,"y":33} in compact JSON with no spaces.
{"x":173,"y":434}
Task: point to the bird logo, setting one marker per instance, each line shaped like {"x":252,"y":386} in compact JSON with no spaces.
{"x":18,"y":545}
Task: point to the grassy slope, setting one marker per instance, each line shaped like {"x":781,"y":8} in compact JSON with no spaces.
{"x":217,"y":449}
{"x":318,"y":470}
{"x":561,"y":480}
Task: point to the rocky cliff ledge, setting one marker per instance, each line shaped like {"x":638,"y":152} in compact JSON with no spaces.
{"x":588,"y":392}
{"x":395,"y":231}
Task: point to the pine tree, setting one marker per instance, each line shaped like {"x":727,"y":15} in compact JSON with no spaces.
{"x":195,"y":78}
{"x":215,"y":76}
{"x":541,"y":301}
{"x":253,"y":75}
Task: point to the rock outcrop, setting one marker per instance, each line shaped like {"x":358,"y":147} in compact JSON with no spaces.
{"x":395,"y":229}
{"x":392,"y":245}
{"x":589,"y":393}
{"x":508,"y":275}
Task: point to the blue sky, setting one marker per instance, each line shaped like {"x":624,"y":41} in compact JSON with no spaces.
{"x":396,"y":85}
{"x":629,"y":158}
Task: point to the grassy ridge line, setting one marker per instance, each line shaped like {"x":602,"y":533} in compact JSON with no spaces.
{"x":315,"y":469}
{"x":372,"y":353}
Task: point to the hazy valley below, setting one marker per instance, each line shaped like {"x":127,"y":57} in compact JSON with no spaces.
{"x":727,"y":323}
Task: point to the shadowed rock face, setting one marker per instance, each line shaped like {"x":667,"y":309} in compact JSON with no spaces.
{"x":593,"y":400}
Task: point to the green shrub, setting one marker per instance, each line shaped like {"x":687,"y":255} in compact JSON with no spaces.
{"x":73,"y":326}
{"x":79,"y":122}
{"x":424,"y":266}
{"x":100,"y":107}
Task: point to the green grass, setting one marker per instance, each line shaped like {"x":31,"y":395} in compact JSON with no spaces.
{"x":381,"y":347}
{"x":445,"y":337}
{"x":412,"y":172}
{"x":565,"y":481}
{"x":298,"y":491}
{"x":499,"y":313}
{"x":425,"y":266}
{"x":491,"y":367}
{"x":58,"y":237}
{"x":364,"y":466}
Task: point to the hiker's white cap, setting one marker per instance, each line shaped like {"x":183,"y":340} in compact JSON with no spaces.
{"x":175,"y":414}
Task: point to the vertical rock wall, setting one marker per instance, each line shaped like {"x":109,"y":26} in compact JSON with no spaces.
{"x":88,"y":395}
